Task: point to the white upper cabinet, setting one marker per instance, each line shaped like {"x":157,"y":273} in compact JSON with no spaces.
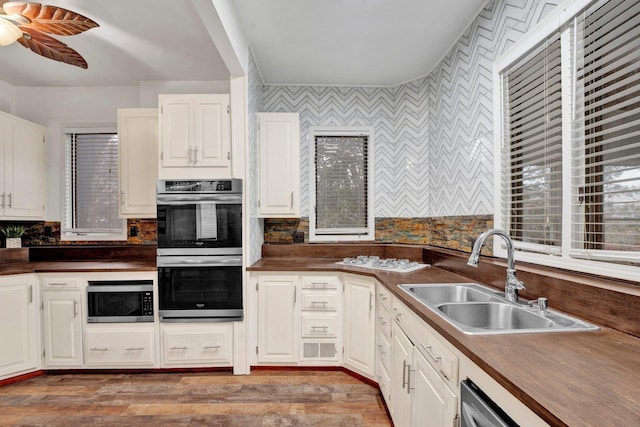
{"x":279,"y":164}
{"x":22,"y":184}
{"x":138,"y":149}
{"x":195,"y":137}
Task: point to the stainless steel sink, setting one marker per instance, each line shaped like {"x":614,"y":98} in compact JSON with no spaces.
{"x":494,"y":316}
{"x":478,"y":310}
{"x":437,"y":294}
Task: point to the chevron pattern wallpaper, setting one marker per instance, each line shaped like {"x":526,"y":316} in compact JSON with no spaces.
{"x":433,"y":136}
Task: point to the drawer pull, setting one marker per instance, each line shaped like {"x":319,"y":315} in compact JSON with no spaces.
{"x":323,"y":328}
{"x":58,"y":284}
{"x":445,"y":376}
{"x":99,"y":349}
{"x":210,"y":347}
{"x":184,"y":347}
{"x":430,"y":353}
{"x":135,"y":349}
{"x":321,"y":303}
{"x":381,"y":320}
{"x":322,"y":285}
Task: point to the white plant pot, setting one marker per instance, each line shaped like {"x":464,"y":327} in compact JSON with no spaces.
{"x":14,"y":242}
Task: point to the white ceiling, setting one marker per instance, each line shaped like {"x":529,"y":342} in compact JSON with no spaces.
{"x":327,"y":42}
{"x":138,"y":40}
{"x":352,"y":42}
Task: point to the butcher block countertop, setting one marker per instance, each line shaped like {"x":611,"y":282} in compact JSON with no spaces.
{"x":569,"y":379}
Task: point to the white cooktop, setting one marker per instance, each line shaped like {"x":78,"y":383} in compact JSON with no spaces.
{"x":387,"y":264}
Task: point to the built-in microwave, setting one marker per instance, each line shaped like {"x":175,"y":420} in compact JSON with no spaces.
{"x":120,"y":301}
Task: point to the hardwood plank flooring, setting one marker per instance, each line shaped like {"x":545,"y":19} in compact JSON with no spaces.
{"x":264,"y":398}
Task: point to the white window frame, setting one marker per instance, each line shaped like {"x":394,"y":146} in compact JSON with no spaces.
{"x":66,"y":234}
{"x":566,"y":258}
{"x":314,"y":235}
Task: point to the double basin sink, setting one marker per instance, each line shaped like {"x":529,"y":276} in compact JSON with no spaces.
{"x":478,"y":310}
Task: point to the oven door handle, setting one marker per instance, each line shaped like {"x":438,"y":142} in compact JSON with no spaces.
{"x":199,"y":261}
{"x":174,"y":199}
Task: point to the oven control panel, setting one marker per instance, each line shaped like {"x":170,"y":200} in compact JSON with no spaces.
{"x":201,"y":186}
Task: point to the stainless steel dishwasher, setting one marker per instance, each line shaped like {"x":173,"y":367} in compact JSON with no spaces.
{"x":477,"y":410}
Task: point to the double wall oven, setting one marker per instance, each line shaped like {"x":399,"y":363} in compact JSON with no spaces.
{"x":199,"y":250}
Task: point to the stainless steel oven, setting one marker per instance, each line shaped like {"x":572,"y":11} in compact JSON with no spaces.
{"x":199,"y":217}
{"x":203,"y":288}
{"x":200,"y":250}
{"x":120,"y":301}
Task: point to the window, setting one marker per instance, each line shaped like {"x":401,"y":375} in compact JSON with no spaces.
{"x":341,"y":190}
{"x":568,"y":137}
{"x":91,"y":187}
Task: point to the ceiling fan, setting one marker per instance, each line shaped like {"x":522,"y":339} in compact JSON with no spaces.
{"x":28,"y":24}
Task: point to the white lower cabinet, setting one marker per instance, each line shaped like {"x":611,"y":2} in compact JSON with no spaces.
{"x":422,"y":392}
{"x":120,"y":345}
{"x":199,"y":345}
{"x":18,"y":325}
{"x":62,"y":328}
{"x":278,"y":319}
{"x":360,"y":324}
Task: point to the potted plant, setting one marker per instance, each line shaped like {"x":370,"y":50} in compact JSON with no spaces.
{"x":13,"y":234}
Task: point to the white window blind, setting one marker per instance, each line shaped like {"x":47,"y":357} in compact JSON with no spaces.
{"x":341,"y":184}
{"x":532,"y":153}
{"x":91,"y":175}
{"x":606,"y":184}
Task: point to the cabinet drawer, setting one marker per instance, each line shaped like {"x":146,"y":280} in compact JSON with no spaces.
{"x":383,"y":351}
{"x":60,"y":283}
{"x":384,"y":382}
{"x":120,"y":347}
{"x":384,"y":296}
{"x":384,"y":321}
{"x":320,"y":282}
{"x":435,"y":351}
{"x":319,"y":326}
{"x":315,"y":301}
{"x":185,"y":345}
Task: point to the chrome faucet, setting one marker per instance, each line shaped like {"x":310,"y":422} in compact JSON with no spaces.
{"x":513,"y":284}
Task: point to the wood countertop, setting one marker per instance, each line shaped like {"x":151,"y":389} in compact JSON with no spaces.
{"x":75,"y":266}
{"x":567,"y":378}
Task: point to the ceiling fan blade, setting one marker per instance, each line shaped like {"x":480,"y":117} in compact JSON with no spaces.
{"x":51,"y":48}
{"x":50,"y":19}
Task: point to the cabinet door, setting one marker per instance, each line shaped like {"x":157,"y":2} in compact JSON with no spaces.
{"x":401,"y":362}
{"x":279,"y":165}
{"x":18,"y":329}
{"x":176,"y":136}
{"x":138,"y":150}
{"x":434,"y":404}
{"x":62,"y":328}
{"x":24,"y":170}
{"x":359,"y":321}
{"x":197,"y":345}
{"x":278,"y":319}
{"x":122,"y":345}
{"x":212,"y":142}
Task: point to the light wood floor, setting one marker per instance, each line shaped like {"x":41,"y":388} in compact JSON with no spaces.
{"x":264,"y":398}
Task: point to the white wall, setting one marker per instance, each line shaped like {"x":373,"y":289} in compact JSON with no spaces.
{"x":59,"y":107}
{"x":7,"y":97}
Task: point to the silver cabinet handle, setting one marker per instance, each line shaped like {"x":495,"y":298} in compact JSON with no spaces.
{"x":295,"y":291}
{"x":292,"y":199}
{"x":430,"y":353}
{"x":405,"y":365}
{"x":135,"y":349}
{"x":184,"y":347}
{"x":210,"y":347}
{"x":322,"y":303}
{"x":3,"y":196}
{"x":409,"y":388}
{"x":323,"y":328}
{"x":10,"y":200}
{"x":122,"y":198}
{"x":370,"y":301}
{"x":75,"y":309}
{"x":195,"y":151}
{"x":58,"y":284}
{"x":99,"y":349}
